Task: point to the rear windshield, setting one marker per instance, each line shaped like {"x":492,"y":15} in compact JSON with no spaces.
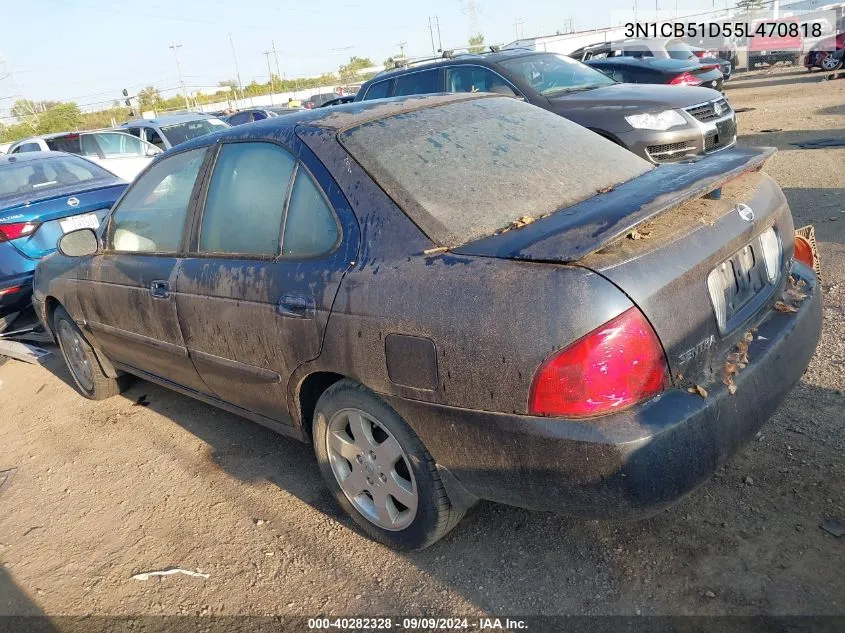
{"x":41,"y":176}
{"x":181,"y":132}
{"x":679,"y":50}
{"x":465,"y":170}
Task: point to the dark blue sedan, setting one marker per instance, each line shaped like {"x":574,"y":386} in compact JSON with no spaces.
{"x":444,"y":297}
{"x":42,"y":196}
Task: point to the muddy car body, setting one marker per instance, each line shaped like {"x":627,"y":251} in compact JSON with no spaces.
{"x":440,"y":348}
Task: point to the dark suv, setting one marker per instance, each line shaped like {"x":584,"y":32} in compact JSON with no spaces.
{"x":660,"y":123}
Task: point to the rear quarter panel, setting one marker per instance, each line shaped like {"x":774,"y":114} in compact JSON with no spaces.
{"x":492,"y":321}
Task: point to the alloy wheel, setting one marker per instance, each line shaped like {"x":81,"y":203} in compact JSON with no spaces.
{"x":372,"y":469}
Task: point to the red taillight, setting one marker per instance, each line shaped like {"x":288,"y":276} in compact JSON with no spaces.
{"x":10,"y":291}
{"x":685,"y":79}
{"x":700,"y":54}
{"x":804,"y":251}
{"x":613,"y":367}
{"x":14,"y":231}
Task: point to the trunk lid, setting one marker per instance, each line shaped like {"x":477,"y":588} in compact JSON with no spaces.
{"x":50,"y":213}
{"x":682,"y":235}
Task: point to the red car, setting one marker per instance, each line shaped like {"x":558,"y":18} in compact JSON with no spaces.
{"x":775,"y":46}
{"x":826,"y":54}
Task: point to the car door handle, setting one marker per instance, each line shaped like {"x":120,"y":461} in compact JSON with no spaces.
{"x":160,"y":289}
{"x":297,"y":306}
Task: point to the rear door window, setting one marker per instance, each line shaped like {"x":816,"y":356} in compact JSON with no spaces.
{"x":378,"y":90}
{"x":27,"y":147}
{"x":113,"y":144}
{"x":476,"y":79}
{"x":418,"y":83}
{"x":246,"y":200}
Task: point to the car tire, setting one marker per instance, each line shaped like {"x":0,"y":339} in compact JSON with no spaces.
{"x":831,"y":67}
{"x":382,"y":457}
{"x":82,"y":363}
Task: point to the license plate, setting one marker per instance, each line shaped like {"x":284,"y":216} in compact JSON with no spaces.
{"x":76,"y":222}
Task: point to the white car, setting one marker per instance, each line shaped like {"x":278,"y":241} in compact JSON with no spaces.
{"x":122,"y":154}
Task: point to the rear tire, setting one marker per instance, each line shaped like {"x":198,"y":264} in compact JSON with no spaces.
{"x":378,"y":469}
{"x":81,"y":360}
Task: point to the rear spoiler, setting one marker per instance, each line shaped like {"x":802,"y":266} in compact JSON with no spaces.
{"x":569,"y":234}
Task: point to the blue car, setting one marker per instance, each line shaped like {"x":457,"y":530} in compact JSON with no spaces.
{"x":42,"y":196}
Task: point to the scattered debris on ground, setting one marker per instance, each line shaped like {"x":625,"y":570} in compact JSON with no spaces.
{"x":169,"y":572}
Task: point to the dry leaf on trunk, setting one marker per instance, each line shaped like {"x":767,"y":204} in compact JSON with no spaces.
{"x":780,"y":306}
{"x":732,"y":388}
{"x":701,"y":391}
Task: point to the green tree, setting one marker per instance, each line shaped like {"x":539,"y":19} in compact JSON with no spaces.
{"x":349,"y":72}
{"x":476,"y":43}
{"x":148,"y":98}
{"x":751,"y":7}
{"x":228,"y":83}
{"x":60,"y":118}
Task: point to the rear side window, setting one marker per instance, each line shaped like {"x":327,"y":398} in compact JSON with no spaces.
{"x":424,"y":82}
{"x":310,"y":227}
{"x":378,"y":90}
{"x":151,"y":216}
{"x":27,"y":147}
{"x":69,"y":144}
{"x":246,"y":200}
{"x":525,"y":161}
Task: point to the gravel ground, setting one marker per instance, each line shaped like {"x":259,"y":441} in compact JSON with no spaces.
{"x":105,"y":490}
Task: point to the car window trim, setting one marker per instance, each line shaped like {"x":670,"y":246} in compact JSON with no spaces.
{"x":390,"y":83}
{"x":196,"y":229}
{"x":492,"y":70}
{"x":192,"y":201}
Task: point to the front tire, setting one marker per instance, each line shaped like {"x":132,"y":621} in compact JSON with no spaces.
{"x":378,"y":469}
{"x":81,"y":360}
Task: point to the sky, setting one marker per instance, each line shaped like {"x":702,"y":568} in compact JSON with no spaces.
{"x":87,"y":51}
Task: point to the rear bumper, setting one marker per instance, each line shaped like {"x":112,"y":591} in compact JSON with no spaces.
{"x":626,"y":465}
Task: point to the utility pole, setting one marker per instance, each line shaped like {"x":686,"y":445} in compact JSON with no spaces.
{"x":270,"y":72}
{"x":439,"y":41}
{"x":402,"y":46}
{"x":175,"y":48}
{"x":431,"y":33}
{"x":237,"y":70}
{"x":516,"y":26}
{"x":276,"y":57}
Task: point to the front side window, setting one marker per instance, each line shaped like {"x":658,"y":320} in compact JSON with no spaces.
{"x":152,"y":136}
{"x":151,"y":216}
{"x":551,"y":74}
{"x":310,"y":226}
{"x":420,"y":83}
{"x":476,"y":79}
{"x":246,"y":200}
{"x":378,"y":90}
{"x":113,"y":144}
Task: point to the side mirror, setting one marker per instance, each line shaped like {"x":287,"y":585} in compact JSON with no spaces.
{"x":152,"y":151}
{"x":79,"y":243}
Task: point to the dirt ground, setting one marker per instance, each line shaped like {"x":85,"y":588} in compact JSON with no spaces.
{"x":105,"y":490}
